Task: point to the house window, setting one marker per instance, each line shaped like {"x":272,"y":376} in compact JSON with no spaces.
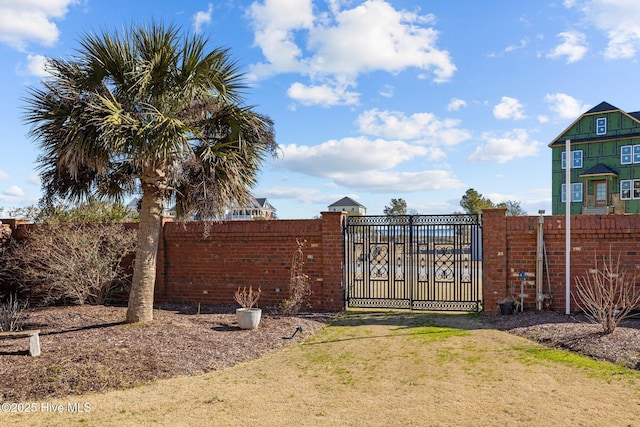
{"x":601,"y":126}
{"x":630,"y":189}
{"x":625,"y":189}
{"x":577,"y":159}
{"x":601,"y":191}
{"x":629,"y":154}
{"x":625,"y":155}
{"x":576,"y":193}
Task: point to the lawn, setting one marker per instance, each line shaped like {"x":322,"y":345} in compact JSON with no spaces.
{"x":374,"y":368}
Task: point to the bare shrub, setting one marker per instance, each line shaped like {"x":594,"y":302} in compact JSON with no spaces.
{"x":606,"y":293}
{"x":299,"y":283}
{"x":13,"y":314}
{"x":70,"y":262}
{"x":247,"y":298}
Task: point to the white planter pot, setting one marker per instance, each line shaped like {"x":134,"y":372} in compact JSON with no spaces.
{"x":248,"y":318}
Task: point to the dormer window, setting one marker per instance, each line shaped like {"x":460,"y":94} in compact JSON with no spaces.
{"x":601,"y":126}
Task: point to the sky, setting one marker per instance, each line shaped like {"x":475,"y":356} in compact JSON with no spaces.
{"x":375,"y":99}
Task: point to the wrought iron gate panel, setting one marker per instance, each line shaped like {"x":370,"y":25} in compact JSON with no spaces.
{"x":431,"y":262}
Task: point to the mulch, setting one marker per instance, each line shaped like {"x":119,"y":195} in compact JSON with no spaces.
{"x":90,"y":348}
{"x":575,"y":332}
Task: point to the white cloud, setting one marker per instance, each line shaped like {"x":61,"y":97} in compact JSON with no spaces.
{"x":455,"y":104}
{"x":365,"y":165}
{"x":523,"y":43}
{"x":565,"y":106}
{"x":424,"y":128}
{"x":343,"y":43}
{"x":34,"y":178}
{"x":348,"y":155}
{"x":399,"y":182}
{"x":325,"y":95}
{"x":201,"y":18}
{"x":503,"y":148}
{"x":508,"y":108}
{"x":275,"y":24}
{"x":387,"y":91}
{"x":619,"y":20}
{"x":36,"y":66}
{"x":3,"y":175}
{"x":27,"y":21}
{"x":573,"y":46}
{"x":304,"y":195}
{"x":13,"y":191}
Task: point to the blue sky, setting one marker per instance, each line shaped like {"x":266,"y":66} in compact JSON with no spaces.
{"x":375,"y":99}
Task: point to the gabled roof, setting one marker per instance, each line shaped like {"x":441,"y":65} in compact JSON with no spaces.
{"x":635,"y":115}
{"x":346,"y":201}
{"x":603,"y":107}
{"x":264,"y":204}
{"x":254,"y":203}
{"x":599,"y":169}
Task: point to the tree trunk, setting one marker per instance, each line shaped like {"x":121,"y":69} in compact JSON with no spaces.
{"x":140,"y":307}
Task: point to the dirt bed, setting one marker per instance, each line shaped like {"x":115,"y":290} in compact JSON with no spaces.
{"x":90,"y":348}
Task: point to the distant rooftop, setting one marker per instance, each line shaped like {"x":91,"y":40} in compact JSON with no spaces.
{"x":345,"y":201}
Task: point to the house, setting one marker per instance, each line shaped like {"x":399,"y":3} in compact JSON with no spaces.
{"x":347,"y":204}
{"x":254,"y":209}
{"x":605,"y":163}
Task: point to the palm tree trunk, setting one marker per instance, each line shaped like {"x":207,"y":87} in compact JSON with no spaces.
{"x":140,"y":307}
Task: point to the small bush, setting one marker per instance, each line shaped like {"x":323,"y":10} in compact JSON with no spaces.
{"x":69,"y":262}
{"x":607,"y":294}
{"x":246,"y":298}
{"x":299,"y":283}
{"x":13,"y":314}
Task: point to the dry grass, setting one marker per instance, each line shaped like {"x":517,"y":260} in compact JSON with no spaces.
{"x":381,"y":368}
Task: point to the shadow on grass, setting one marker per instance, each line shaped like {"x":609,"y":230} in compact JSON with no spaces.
{"x":428,"y":326}
{"x":407,"y":319}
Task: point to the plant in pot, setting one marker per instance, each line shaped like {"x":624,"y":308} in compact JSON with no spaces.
{"x":248,"y":316}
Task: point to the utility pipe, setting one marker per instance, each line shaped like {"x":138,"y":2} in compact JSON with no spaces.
{"x":539,"y":258}
{"x":568,"y":194}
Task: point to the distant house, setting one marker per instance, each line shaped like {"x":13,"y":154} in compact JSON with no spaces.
{"x":605,"y":163}
{"x":255,"y":209}
{"x":347,"y":204}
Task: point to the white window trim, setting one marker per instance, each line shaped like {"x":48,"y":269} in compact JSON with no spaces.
{"x":598,"y":126}
{"x":574,"y":185}
{"x":635,"y":149}
{"x":632,"y":184}
{"x":630,"y":181}
{"x":563,"y":160}
{"x":622,"y":162}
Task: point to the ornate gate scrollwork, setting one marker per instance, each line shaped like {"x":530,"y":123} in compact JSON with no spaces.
{"x":431,"y":262}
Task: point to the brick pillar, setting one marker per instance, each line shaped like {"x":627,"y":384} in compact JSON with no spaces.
{"x":494,"y":255}
{"x":160,"y":288}
{"x":332,"y":259}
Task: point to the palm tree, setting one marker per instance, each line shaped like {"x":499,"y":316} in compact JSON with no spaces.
{"x":148,"y":110}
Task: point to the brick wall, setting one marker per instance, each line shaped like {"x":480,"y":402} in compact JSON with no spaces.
{"x":510,"y":246}
{"x":193,"y":268}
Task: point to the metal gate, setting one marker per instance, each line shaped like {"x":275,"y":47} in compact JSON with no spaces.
{"x":430,"y":262}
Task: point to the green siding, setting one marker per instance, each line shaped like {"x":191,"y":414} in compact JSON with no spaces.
{"x":603,"y":149}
